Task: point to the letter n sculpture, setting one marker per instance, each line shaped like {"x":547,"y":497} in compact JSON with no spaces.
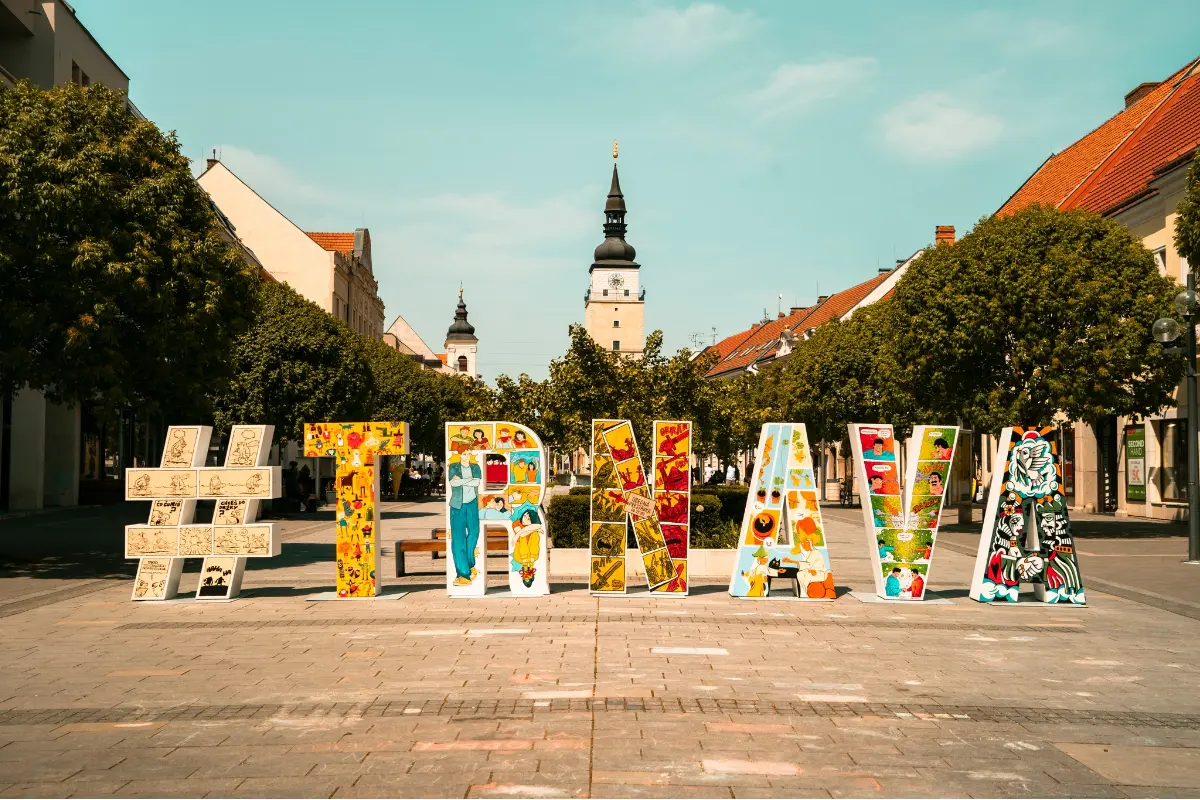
{"x":354,"y":446}
{"x":238,"y":489}
{"x":495,"y":479}
{"x":620,"y":492}
{"x":782,"y":535}
{"x":902,"y":535}
{"x":1026,"y":533}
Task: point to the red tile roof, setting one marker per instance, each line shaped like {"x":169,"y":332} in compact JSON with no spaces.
{"x":1171,"y":132}
{"x":761,"y":341}
{"x":341,"y":242}
{"x":1095,"y":172}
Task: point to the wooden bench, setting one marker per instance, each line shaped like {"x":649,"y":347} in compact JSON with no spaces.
{"x":497,"y":539}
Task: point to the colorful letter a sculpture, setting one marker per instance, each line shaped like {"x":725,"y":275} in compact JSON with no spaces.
{"x":354,"y":445}
{"x":1026,"y":533}
{"x":901,"y":536}
{"x":782,"y":535}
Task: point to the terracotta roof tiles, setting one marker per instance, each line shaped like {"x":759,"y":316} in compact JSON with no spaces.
{"x":1096,"y":172}
{"x":761,"y":341}
{"x":341,"y":242}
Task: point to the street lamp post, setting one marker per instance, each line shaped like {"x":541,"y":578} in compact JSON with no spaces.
{"x":1165,"y":331}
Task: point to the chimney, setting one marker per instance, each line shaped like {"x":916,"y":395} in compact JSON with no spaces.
{"x":781,"y":315}
{"x":1140,"y":91}
{"x":886,"y":270}
{"x":796,"y":310}
{"x":822,"y":299}
{"x":212,"y":162}
{"x":943,"y":233}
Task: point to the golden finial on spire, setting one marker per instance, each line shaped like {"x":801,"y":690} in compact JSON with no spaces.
{"x":614,"y":149}
{"x":460,"y":293}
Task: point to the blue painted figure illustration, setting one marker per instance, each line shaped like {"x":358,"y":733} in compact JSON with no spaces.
{"x":892,"y":588}
{"x":464,"y":479}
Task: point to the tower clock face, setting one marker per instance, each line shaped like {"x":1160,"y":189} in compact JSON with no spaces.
{"x":616,"y":281}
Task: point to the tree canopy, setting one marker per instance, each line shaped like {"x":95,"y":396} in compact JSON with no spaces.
{"x":296,"y":364}
{"x":1187,"y":220}
{"x":1032,"y":314}
{"x":119,"y":289}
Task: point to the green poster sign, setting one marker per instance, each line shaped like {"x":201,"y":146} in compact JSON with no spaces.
{"x":1135,"y":462}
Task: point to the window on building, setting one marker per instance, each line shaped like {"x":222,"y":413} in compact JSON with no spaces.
{"x":1172,"y":459}
{"x":616,"y":345}
{"x":1066,"y":447}
{"x":627,"y":293}
{"x":74,"y":73}
{"x":462,"y":363}
{"x":86,"y":80}
{"x":606,"y":292}
{"x":1160,"y":260}
{"x":616,"y":323}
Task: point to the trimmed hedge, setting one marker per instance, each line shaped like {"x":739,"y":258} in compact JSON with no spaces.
{"x":568,"y":518}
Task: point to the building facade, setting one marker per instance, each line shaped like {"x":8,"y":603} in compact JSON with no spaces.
{"x":461,"y":345}
{"x":43,"y":42}
{"x":614,"y":308}
{"x":1131,"y":169}
{"x":332,"y":270}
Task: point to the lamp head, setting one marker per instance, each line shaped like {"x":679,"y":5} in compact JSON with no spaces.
{"x":1166,"y":330}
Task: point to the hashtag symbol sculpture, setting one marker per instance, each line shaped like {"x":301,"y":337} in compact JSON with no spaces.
{"x":174,"y":487}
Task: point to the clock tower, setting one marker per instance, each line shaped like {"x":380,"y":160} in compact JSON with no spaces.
{"x":615,"y":305}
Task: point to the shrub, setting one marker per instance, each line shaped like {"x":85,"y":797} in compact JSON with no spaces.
{"x":710,"y":528}
{"x":568,"y":522}
{"x":733,"y":502}
{"x":577,"y":490}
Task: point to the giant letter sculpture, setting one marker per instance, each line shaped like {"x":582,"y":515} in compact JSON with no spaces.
{"x":901,"y":536}
{"x":496,"y":476}
{"x":620,"y":492}
{"x":359,"y":527}
{"x":782,"y":535}
{"x":238,"y":488}
{"x":1026,"y":533}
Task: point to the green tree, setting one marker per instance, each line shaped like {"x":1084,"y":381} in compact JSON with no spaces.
{"x":296,"y":364}
{"x":118,"y":287}
{"x":1187,"y":221}
{"x":589,"y":382}
{"x":838,"y":376}
{"x":1031,"y":314}
{"x":426,"y":400}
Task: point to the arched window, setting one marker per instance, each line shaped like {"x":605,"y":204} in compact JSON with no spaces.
{"x":462,"y":363}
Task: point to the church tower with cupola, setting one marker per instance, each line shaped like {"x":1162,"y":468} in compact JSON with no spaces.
{"x":615,"y":307}
{"x":461,"y":344}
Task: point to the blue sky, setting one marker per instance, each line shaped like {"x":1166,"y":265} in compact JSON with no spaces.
{"x":766,"y":148}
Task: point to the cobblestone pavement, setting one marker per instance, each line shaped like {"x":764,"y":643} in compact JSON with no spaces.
{"x":572,"y":695}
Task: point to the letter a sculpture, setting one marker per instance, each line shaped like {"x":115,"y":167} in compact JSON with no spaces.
{"x":496,"y":479}
{"x":238,"y":489}
{"x":901,"y":535}
{"x":782,"y":535}
{"x":1026,"y":533}
{"x":354,"y":446}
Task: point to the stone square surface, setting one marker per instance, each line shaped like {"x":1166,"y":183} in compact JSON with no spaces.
{"x":579,"y":696}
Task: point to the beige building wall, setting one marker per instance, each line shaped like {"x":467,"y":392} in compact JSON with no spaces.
{"x":44,"y":41}
{"x":608,"y":304}
{"x":285,"y":250}
{"x":1153,"y":221}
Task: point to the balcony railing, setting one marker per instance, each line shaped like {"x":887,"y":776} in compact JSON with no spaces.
{"x":589,"y":295}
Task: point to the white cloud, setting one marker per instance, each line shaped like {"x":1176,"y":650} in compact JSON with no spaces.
{"x":795,"y":87}
{"x":277,"y":182}
{"x":932,"y":126}
{"x":670,"y":34}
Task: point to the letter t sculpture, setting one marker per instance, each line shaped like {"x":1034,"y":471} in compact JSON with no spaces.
{"x":354,"y":445}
